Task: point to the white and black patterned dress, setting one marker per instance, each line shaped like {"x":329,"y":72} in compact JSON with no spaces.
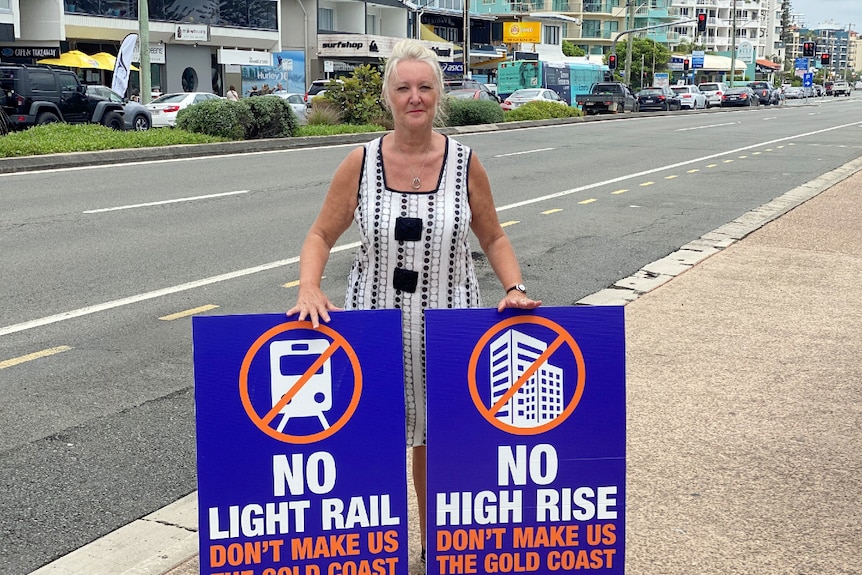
{"x":414,"y":255}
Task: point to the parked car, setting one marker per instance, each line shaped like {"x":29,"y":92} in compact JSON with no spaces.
{"x":467,"y":84}
{"x":713,"y":92}
{"x":40,"y":94}
{"x":741,"y":96}
{"x":840,"y":88}
{"x":297,"y":104}
{"x":164,"y":108}
{"x":472,"y":94}
{"x":607,"y":97}
{"x":763,"y":91}
{"x":520,"y":97}
{"x":136,"y":116}
{"x":318,"y":87}
{"x":793,"y":92}
{"x":658,"y":98}
{"x":690,"y":97}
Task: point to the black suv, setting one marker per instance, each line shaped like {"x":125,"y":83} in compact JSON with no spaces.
{"x":33,"y":95}
{"x":763,"y":90}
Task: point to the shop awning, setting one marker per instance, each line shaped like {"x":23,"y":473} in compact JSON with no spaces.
{"x":768,"y":64}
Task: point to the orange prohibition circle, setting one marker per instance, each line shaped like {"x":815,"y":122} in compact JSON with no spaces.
{"x":262,"y":423}
{"x":563,"y":337}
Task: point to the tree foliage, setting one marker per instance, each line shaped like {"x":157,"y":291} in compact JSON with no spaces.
{"x":647,"y":55}
{"x":569,"y":49}
{"x":358,"y":97}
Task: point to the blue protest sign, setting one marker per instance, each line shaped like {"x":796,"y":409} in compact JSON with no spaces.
{"x":526,"y":440}
{"x":301,"y":444}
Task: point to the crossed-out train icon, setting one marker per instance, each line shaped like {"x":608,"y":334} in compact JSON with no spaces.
{"x":288,"y":362}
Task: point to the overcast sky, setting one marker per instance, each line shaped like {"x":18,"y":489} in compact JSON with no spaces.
{"x":842,"y":12}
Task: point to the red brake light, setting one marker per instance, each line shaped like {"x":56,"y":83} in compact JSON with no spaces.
{"x":172,"y":109}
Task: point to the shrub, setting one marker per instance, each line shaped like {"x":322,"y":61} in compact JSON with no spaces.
{"x":271,"y":117}
{"x":359,"y":96}
{"x":220,"y":118}
{"x":471,"y":112}
{"x":541,"y":111}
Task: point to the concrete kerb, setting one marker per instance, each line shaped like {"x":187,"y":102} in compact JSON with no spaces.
{"x":132,"y":155}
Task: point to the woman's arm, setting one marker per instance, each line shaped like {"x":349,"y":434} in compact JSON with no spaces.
{"x":334,"y":218}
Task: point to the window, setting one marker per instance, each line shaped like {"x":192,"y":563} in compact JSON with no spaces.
{"x":370,"y":24}
{"x":68,"y":82}
{"x":42,"y":81}
{"x":325,"y":19}
{"x":552,"y":35}
{"x":5,"y":6}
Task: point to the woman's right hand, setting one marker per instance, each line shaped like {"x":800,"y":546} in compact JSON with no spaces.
{"x":312,"y":304}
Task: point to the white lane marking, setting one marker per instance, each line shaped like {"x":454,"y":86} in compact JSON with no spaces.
{"x":163,"y":202}
{"x":265,"y":267}
{"x":156,"y":293}
{"x":705,"y":127}
{"x":668,"y":167}
{"x":524,"y":152}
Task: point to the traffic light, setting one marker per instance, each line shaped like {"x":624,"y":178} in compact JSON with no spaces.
{"x":612,"y":61}
{"x":701,"y":22}
{"x":808,"y":49}
{"x":686,"y":64}
{"x":824,"y":59}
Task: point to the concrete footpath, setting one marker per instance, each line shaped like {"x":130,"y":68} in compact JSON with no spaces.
{"x":744,"y":383}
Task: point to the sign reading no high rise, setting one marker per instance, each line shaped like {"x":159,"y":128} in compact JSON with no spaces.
{"x":526,"y":440}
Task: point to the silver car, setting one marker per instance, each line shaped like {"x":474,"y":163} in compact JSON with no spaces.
{"x":297,"y":103}
{"x":713,"y":92}
{"x":136,"y":116}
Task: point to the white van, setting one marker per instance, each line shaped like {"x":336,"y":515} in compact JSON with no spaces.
{"x":713,"y":92}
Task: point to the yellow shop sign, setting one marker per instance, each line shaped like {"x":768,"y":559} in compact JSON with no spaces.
{"x":522,"y":32}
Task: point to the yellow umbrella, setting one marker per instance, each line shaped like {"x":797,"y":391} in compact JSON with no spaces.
{"x":72,"y":59}
{"x":108,"y":61}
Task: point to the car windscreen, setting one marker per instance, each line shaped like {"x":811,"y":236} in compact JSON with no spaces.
{"x":650,"y":92}
{"x":704,"y":87}
{"x":526,"y":93}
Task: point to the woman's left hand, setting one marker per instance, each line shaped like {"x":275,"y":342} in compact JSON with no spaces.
{"x":517,"y":300}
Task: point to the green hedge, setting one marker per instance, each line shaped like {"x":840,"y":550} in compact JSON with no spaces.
{"x":248,"y":119}
{"x":472,"y":112}
{"x":541,"y":111}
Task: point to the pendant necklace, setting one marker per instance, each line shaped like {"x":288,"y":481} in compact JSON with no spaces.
{"x":417,"y":181}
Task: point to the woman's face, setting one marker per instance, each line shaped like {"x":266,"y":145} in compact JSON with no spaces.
{"x":413,"y":94}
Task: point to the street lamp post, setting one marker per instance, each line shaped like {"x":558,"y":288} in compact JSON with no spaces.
{"x":466,"y":51}
{"x":144,"y":43}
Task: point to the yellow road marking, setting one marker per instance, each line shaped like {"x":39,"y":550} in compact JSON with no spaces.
{"x":728,"y":161}
{"x":645,"y":184}
{"x":31,"y":356}
{"x":742,"y":157}
{"x":768,"y":149}
{"x":779,"y":147}
{"x":554,"y":211}
{"x":188,"y":312}
{"x":510,"y":223}
{"x":619,"y":192}
{"x":670,"y":177}
{"x":590,"y":201}
{"x":711,"y":165}
{"x":693,"y":171}
{"x":756,"y":153}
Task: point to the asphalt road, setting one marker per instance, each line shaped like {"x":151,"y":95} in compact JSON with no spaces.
{"x":95,"y":369}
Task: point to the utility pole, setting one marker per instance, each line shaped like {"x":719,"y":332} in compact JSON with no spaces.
{"x":144,"y":43}
{"x":630,"y":17}
{"x":733,"y":46}
{"x":466,"y":54}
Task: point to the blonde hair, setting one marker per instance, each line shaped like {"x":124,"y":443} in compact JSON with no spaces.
{"x":409,"y":50}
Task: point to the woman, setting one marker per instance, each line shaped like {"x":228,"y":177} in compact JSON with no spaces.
{"x":408,"y":193}
{"x":231,"y":94}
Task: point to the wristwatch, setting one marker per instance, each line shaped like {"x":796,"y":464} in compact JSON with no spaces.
{"x":520,"y":287}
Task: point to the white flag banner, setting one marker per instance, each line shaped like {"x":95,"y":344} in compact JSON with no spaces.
{"x":123,"y":66}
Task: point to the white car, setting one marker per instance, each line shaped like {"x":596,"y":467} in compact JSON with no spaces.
{"x":297,"y":103}
{"x":520,"y":97}
{"x":690,"y":97}
{"x":164,"y":108}
{"x":713,"y":92}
